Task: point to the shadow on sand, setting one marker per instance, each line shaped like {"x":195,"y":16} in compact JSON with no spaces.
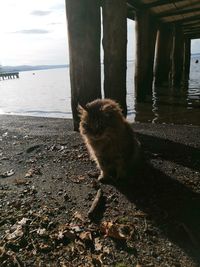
{"x":176,"y":152}
{"x":172,"y":206}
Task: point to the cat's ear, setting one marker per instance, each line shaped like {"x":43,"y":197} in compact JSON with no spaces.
{"x":81,"y":110}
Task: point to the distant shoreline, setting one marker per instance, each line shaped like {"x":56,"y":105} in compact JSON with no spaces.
{"x":30,"y":68}
{"x":46,"y":67}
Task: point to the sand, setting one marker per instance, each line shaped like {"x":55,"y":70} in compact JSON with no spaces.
{"x":48,"y":184}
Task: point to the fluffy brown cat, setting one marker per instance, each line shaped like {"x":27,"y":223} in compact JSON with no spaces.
{"x":109,"y":138}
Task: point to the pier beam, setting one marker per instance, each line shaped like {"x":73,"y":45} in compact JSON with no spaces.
{"x":115,"y":45}
{"x":177,"y":56}
{"x":163,"y":55}
{"x":146,"y":30}
{"x":186,"y":59}
{"x":84,"y":31}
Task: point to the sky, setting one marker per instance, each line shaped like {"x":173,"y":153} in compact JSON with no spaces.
{"x":195,"y":46}
{"x":34,"y":32}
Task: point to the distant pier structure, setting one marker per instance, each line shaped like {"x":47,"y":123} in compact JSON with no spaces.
{"x":164,"y":29}
{"x":9,"y":75}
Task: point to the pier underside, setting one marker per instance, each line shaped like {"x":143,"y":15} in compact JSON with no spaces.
{"x":164,"y":30}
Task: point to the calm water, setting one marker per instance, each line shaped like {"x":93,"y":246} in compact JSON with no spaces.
{"x":47,"y":94}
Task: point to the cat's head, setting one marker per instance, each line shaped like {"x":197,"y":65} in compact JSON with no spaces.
{"x":99,"y":117}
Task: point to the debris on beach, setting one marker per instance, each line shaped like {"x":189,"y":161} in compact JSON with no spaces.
{"x":33,"y":171}
{"x":95,"y":204}
{"x":117,"y":231}
{"x":54,"y":211}
{"x":7,"y":173}
{"x":33,"y":148}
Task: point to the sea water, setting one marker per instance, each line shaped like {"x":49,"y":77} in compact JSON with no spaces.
{"x":46,"y":93}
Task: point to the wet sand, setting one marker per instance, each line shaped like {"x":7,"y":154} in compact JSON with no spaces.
{"x":48,"y":183}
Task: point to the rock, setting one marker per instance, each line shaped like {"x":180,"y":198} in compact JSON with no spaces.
{"x":42,"y":232}
{"x":7,"y":174}
{"x":32,"y":148}
{"x":17,"y":233}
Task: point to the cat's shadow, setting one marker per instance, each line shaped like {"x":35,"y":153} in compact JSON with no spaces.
{"x":179,"y":153}
{"x":173,"y":207}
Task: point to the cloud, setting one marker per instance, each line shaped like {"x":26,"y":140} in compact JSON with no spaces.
{"x":33,"y":31}
{"x":40,"y":12}
{"x":60,"y":6}
{"x":54,"y":23}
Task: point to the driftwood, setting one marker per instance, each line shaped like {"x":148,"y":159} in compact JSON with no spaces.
{"x":95,"y":204}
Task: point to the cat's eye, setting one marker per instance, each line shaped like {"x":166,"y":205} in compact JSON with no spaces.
{"x":108,"y":115}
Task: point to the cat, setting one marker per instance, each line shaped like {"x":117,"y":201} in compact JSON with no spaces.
{"x":109,"y":138}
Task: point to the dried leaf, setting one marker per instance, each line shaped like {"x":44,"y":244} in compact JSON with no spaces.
{"x":118,"y":231}
{"x":85,"y":236}
{"x":80,"y":246}
{"x":17,"y":233}
{"x":20,"y":181}
{"x":106,"y":250}
{"x":79,"y":216}
{"x":2,"y":252}
{"x":5,"y":134}
{"x":76,"y":228}
{"x":16,"y":261}
{"x":29,"y":173}
{"x":81,"y":177}
{"x":41,"y":231}
{"x":33,"y":171}
{"x":66,"y":234}
{"x":97,"y":244}
{"x":96,"y":260}
{"x":44,"y":248}
{"x":23,"y":221}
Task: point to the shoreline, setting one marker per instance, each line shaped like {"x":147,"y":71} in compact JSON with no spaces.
{"x":23,"y":117}
{"x":186,"y":133}
{"x":48,"y":181}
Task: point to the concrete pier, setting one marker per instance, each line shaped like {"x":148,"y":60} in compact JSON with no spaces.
{"x":9,"y":75}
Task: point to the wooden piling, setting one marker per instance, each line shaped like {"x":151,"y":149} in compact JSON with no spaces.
{"x":163,"y":55}
{"x":84,"y":31}
{"x":146,"y":30}
{"x":177,"y":56}
{"x":115,"y":45}
{"x":186,"y":59}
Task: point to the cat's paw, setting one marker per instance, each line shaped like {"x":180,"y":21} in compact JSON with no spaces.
{"x":102,"y":177}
